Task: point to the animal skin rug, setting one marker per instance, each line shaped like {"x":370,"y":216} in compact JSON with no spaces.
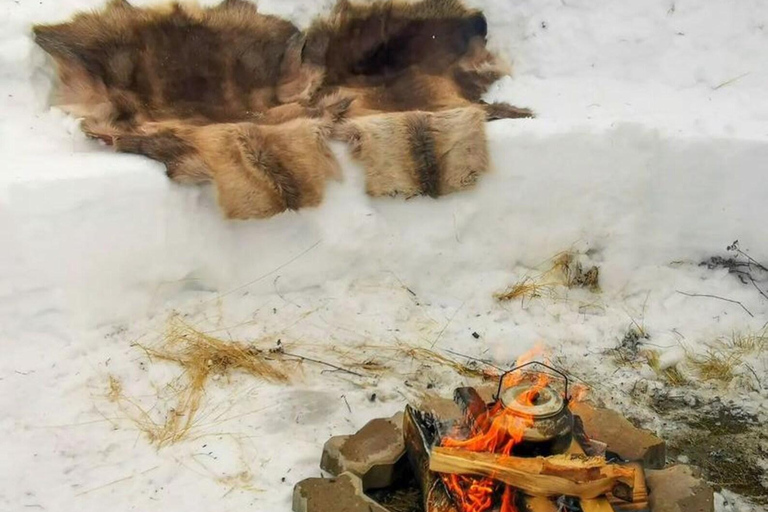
{"x":250,"y":102}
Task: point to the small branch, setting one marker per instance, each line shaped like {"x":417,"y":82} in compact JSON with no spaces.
{"x":717,"y":297}
{"x":317,"y":361}
{"x":729,"y":82}
{"x":345,"y":401}
{"x":483,"y":361}
{"x":759,"y":383}
{"x":440,"y":334}
{"x":752,"y":260}
{"x":752,"y":279}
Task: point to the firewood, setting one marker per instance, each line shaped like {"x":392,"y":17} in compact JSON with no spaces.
{"x":569,"y":475}
{"x":639,"y":500}
{"x":594,"y":505}
{"x":539,"y":504}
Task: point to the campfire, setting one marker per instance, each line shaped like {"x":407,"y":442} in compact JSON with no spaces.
{"x":527,"y":445}
{"x":527,"y":418}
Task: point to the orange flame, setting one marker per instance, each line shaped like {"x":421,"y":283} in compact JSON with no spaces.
{"x":497,"y":431}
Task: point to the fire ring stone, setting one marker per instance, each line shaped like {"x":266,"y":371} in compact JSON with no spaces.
{"x":375,"y":453}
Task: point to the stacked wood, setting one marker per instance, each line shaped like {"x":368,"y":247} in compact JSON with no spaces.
{"x":569,"y":475}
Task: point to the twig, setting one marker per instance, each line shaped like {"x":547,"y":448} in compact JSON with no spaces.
{"x":317,"y":361}
{"x":757,"y":287}
{"x":440,"y":334}
{"x":483,"y":361}
{"x":729,"y":82}
{"x":345,"y":401}
{"x":759,"y":383}
{"x":716,"y":297}
{"x":246,"y":285}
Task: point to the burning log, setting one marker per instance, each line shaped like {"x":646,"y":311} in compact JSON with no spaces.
{"x":539,"y":476}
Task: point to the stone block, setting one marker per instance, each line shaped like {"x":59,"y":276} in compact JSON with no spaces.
{"x":343,"y":493}
{"x":679,"y":489}
{"x":444,"y":408}
{"x":622,"y":438}
{"x":376,"y":453}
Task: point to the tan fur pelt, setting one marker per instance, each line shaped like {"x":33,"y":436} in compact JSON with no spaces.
{"x":444,"y":151}
{"x":248,"y":101}
{"x":258,"y":170}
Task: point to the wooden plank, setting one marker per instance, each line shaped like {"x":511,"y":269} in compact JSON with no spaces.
{"x":639,"y":493}
{"x":537,"y":476}
{"x":539,"y":504}
{"x":596,"y":505}
{"x":590,"y":505}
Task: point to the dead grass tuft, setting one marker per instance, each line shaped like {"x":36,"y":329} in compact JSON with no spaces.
{"x":723,"y":360}
{"x":716,"y":365}
{"x":200,"y":356}
{"x":564,"y":270}
{"x":672,"y":374}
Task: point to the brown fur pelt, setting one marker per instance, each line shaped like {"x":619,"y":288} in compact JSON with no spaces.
{"x":248,"y":101}
{"x":419,"y":153}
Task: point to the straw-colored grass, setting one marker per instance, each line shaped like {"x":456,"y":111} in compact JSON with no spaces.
{"x":671,"y":374}
{"x":715,"y":365}
{"x":724,"y":358}
{"x":564,"y":271}
{"x":200,"y":357}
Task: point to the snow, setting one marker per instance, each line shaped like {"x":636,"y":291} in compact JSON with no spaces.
{"x":647,"y":156}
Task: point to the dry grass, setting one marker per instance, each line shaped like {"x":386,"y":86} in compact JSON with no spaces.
{"x":564,"y":270}
{"x":724,"y":358}
{"x":672,"y":374}
{"x":424,"y":355}
{"x":716,"y":365}
{"x":200,"y":357}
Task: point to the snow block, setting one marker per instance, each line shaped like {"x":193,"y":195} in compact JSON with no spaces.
{"x":376,"y":453}
{"x":622,"y":438}
{"x":341,"y":494}
{"x":678,"y":489}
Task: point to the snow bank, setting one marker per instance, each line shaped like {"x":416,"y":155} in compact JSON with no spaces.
{"x":649,"y":148}
{"x":635,"y":152}
{"x":110,"y":238}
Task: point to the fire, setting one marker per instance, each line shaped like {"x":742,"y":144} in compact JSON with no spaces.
{"x":498,"y":431}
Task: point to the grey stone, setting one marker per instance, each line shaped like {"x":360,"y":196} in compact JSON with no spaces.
{"x":679,"y":489}
{"x":343,"y":493}
{"x":622,"y":438}
{"x":443,"y":408}
{"x":376,"y":453}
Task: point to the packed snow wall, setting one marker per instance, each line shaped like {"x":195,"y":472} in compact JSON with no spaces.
{"x":649,"y":146}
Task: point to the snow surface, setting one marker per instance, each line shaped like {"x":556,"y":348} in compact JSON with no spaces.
{"x":648,"y":154}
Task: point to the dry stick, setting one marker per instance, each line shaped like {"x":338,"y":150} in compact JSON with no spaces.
{"x":440,"y":334}
{"x":483,"y":361}
{"x":756,"y":287}
{"x":717,"y":297}
{"x":246,"y":285}
{"x":339,"y":368}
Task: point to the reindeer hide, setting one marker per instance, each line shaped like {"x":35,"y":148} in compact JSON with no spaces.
{"x":248,"y":101}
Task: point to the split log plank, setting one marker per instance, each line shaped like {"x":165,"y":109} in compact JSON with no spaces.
{"x":639,"y":493}
{"x":539,"y":504}
{"x":538,"y":476}
{"x":594,"y":505}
